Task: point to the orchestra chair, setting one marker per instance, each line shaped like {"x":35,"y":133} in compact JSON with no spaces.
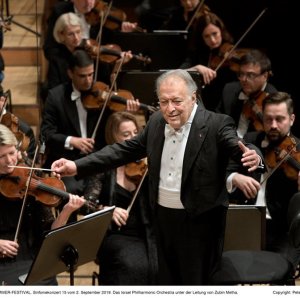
{"x":248,"y":267}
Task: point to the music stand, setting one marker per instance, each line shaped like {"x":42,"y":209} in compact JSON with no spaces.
{"x":166,"y":49}
{"x":69,"y":246}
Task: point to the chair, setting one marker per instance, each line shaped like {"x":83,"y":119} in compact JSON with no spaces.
{"x":240,"y":267}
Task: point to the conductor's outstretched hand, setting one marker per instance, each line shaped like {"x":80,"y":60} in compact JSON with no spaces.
{"x":250,"y":158}
{"x":63,"y":167}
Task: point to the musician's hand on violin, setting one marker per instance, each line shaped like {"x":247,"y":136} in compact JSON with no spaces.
{"x":8,"y":248}
{"x":63,"y":167}
{"x":74,"y":203}
{"x":85,"y":145}
{"x":132,"y":105}
{"x":250,"y":158}
{"x":128,"y":26}
{"x":127,"y":56}
{"x":120,"y":216}
{"x":207,"y":73}
{"x":248,"y":185}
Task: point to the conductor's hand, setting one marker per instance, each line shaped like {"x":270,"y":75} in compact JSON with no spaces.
{"x":63,"y":167}
{"x":250,"y":158}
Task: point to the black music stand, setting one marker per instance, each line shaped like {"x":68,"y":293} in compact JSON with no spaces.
{"x":67,"y":247}
{"x":166,"y":49}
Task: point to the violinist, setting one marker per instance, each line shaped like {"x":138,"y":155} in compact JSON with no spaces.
{"x":22,"y":127}
{"x":242,"y":99}
{"x":68,"y":33}
{"x":275,"y":189}
{"x":180,"y":17}
{"x":16,"y":255}
{"x":206,"y":42}
{"x":67,"y":126}
{"x":81,"y":8}
{"x":127,"y":255}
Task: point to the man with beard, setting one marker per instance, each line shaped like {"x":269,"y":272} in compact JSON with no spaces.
{"x":242,"y":99}
{"x":279,"y":187}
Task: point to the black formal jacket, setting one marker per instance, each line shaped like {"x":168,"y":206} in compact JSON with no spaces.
{"x":60,"y":120}
{"x":230,"y":103}
{"x":212,"y":140}
{"x":279,"y":187}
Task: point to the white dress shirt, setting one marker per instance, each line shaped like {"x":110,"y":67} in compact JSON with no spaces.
{"x":171,"y":164}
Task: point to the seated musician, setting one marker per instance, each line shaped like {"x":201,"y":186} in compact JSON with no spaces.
{"x":91,"y":31}
{"x":27,"y":139}
{"x":70,"y":129}
{"x":18,"y":245}
{"x":242,"y":99}
{"x":280,"y":185}
{"x":127,"y":255}
{"x":206,"y":48}
{"x":68,"y":33}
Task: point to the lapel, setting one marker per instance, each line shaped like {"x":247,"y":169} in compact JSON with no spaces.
{"x":195,"y":141}
{"x":157,"y":143}
{"x":70,"y":109}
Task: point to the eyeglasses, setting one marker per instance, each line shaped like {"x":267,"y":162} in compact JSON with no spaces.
{"x":248,"y":76}
{"x":165,"y":103}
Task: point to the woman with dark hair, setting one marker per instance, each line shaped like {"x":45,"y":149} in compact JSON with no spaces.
{"x":206,"y":46}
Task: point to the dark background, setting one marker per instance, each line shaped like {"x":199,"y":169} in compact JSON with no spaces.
{"x":277,"y":33}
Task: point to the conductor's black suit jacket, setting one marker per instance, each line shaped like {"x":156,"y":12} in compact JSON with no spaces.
{"x":212,"y":140}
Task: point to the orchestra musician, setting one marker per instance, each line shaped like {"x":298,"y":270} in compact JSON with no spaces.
{"x":81,"y":8}
{"x":277,"y":189}
{"x":204,"y":48}
{"x":181,"y":17}
{"x":67,"y":126}
{"x":242,"y":99}
{"x":21,"y":125}
{"x":128,"y":253}
{"x":17,"y":253}
{"x":68,"y":33}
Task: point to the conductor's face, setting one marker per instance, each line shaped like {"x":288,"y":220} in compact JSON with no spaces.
{"x":176,"y":102}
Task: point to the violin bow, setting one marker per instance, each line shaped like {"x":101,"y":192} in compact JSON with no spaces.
{"x":6,"y":100}
{"x":279,"y":163}
{"x":109,"y":93}
{"x":137,"y":191}
{"x":240,"y":39}
{"x":99,"y":36}
{"x":194,"y":16}
{"x":25,"y":196}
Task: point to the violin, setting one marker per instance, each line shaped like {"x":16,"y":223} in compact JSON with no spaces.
{"x":115,"y":17}
{"x":109,"y":53}
{"x":134,"y":171}
{"x":96,"y":97}
{"x":252,"y":110}
{"x":12,"y":122}
{"x":48,"y":190}
{"x":227,"y":58}
{"x":287,"y":155}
